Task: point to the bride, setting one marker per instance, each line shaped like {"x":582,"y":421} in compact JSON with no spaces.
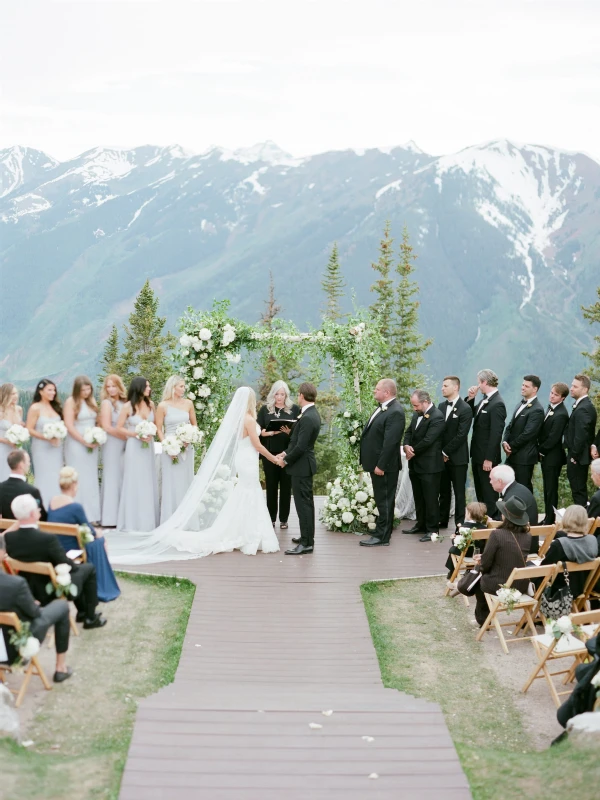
{"x":223,"y":509}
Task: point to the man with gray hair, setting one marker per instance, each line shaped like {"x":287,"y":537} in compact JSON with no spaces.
{"x":489,"y":416}
{"x":502,"y":480}
{"x":594,"y":506}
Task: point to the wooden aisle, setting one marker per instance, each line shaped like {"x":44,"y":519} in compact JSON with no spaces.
{"x":272,"y":642}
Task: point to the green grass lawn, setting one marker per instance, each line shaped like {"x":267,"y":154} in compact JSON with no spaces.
{"x":82,"y":730}
{"x":426,"y":647}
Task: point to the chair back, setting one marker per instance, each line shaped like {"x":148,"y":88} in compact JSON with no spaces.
{"x":547,"y":533}
{"x":33,"y":567}
{"x":593,"y":524}
{"x":57,"y":528}
{"x":586,"y":617}
{"x":546,"y":574}
{"x":494,"y":523}
{"x":11,"y":619}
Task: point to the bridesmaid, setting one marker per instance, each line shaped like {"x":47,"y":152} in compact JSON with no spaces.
{"x":174,"y":410}
{"x":10,"y":414}
{"x":46,"y":454}
{"x":138,"y":506}
{"x":113,"y":397}
{"x":81,"y":413}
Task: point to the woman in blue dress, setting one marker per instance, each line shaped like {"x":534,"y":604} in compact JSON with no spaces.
{"x":64,"y":509}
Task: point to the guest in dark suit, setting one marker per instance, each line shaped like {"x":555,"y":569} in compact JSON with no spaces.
{"x":550,"y":448}
{"x":423,"y":448}
{"x":502,"y":479}
{"x":30,"y":544}
{"x":455,"y":451}
{"x":521,"y":434}
{"x":16,"y":597}
{"x":16,"y":484}
{"x":594,"y":506}
{"x":579,"y":438}
{"x":489,"y":416}
{"x":380,"y":457}
{"x":300,"y":462}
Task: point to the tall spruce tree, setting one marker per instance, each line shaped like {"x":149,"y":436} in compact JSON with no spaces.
{"x":273,"y":368}
{"x":333,"y":286}
{"x":407,"y":344}
{"x":383,"y":307}
{"x":109,"y":360}
{"x":145,"y":346}
{"x":592,"y":314}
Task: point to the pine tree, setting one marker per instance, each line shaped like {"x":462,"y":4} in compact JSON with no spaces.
{"x":407,"y":344}
{"x":592,"y":314}
{"x":333,"y":286}
{"x":273,"y":368}
{"x":384,"y":287}
{"x":145,"y":344}
{"x":109,"y":360}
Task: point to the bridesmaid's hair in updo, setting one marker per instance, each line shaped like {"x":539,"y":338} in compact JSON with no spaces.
{"x":251,"y":408}
{"x":67,"y":477}
{"x":169,"y":390}
{"x":136,"y":395}
{"x":271,"y":396}
{"x":6,"y":391}
{"x":37,"y":396}
{"x":78,"y":384}
{"x":118,"y":382}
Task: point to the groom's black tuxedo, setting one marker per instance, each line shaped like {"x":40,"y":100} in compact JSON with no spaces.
{"x":522,"y":435}
{"x":380,"y":447}
{"x":301,"y":464}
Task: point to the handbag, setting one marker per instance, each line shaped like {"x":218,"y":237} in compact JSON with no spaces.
{"x":557,"y":603}
{"x":467,"y":583}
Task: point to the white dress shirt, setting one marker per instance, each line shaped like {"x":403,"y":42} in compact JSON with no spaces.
{"x":422,"y":415}
{"x":379,"y":409}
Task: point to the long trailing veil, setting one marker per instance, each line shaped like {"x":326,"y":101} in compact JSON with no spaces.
{"x":200,"y":506}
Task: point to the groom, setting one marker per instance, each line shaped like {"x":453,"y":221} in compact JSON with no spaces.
{"x":301,"y":465}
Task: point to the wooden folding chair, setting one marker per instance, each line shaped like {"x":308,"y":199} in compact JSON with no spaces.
{"x":594,"y":524}
{"x":38,"y":568}
{"x":580,"y":602}
{"x":494,"y":523}
{"x":57,"y":528}
{"x":527,"y":605}
{"x":547,"y":649}
{"x":462,"y":562}
{"x":547,"y":534}
{"x":33,"y":668}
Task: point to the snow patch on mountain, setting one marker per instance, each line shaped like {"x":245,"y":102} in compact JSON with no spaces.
{"x":18,"y":164}
{"x":254,"y":182}
{"x":99,"y":166}
{"x":139,"y":211}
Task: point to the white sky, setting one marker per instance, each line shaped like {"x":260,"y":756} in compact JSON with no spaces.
{"x":312,"y":75}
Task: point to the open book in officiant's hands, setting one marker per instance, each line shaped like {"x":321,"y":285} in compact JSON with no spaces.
{"x":278,"y":424}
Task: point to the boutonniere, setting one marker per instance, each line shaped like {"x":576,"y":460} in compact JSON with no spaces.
{"x":528,"y":405}
{"x":384,"y":408}
{"x":426,"y":416}
{"x":550,"y":413}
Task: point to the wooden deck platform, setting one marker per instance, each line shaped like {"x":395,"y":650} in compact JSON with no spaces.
{"x":272,"y":642}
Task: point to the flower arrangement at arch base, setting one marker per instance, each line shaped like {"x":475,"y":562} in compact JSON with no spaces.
{"x":349,"y":505}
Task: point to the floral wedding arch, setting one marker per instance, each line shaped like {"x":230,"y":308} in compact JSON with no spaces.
{"x":209,"y":355}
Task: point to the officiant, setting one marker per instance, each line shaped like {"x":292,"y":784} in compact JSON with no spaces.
{"x":276,"y":419}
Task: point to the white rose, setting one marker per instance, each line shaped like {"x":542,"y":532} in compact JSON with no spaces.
{"x":434,"y":536}
{"x":185,"y":340}
{"x":353,"y":440}
{"x":347,"y":414}
{"x":191,"y":396}
{"x":203,"y":355}
{"x":361,"y":496}
{"x":372,"y":526}
{"x":198,"y":373}
{"x":63,"y":580}
{"x":347,"y":517}
{"x":320,"y":334}
{"x":204,"y":334}
{"x":337,"y":482}
{"x":329,"y":485}
{"x":62,"y":569}
{"x":370,"y":518}
{"x":333,"y":506}
{"x":338,"y":523}
{"x":198,"y":345}
{"x":213,"y":379}
{"x":564,"y":624}
{"x":30,"y":649}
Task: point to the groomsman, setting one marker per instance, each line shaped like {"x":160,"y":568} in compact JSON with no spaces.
{"x":380,"y":457}
{"x":579,"y":439}
{"x":521,"y":434}
{"x":489,"y":417}
{"x":550,"y":448}
{"x":455,"y":451}
{"x":423,"y":448}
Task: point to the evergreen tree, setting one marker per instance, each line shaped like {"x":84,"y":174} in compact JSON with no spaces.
{"x":333,"y":286}
{"x":145,"y":343}
{"x":109,"y":360}
{"x":384,"y":287}
{"x":407,"y":344}
{"x":272,"y":368}
{"x":592,"y":314}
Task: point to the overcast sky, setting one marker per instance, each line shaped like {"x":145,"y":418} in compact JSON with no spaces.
{"x":312,"y":76}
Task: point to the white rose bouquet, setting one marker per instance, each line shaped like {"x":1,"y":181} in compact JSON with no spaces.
{"x":188,"y":434}
{"x":144,"y":429}
{"x":557,"y":628}
{"x":171,"y":445}
{"x":18,"y":435}
{"x":55,"y":430}
{"x":94,"y":435}
{"x":509,"y":597}
{"x":64,"y":586}
{"x":26,"y":644}
{"x":85,"y":534}
{"x":228,"y":335}
{"x":463,"y":539}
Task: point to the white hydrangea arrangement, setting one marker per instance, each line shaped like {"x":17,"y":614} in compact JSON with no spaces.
{"x":55,"y":430}
{"x":18,"y":435}
{"x":349,"y":505}
{"x":94,"y":435}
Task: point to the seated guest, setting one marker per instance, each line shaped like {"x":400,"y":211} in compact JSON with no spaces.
{"x":30,"y":544}
{"x":16,"y":484}
{"x":63,"y":508}
{"x":16,"y":597}
{"x":475,"y":517}
{"x":506,"y":549}
{"x":572,"y":544}
{"x":503,"y":481}
{"x":593,"y":509}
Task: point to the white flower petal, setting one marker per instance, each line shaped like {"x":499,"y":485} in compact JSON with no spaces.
{"x":314,"y":726}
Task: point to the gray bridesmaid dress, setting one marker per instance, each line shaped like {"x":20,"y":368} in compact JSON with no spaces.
{"x":47,"y":462}
{"x":176,"y":478}
{"x":86,"y":464}
{"x":5,"y":449}
{"x":138,"y":506}
{"x":112,"y":471}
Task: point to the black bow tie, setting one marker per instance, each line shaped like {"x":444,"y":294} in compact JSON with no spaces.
{"x":549,"y":407}
{"x":523,"y":401}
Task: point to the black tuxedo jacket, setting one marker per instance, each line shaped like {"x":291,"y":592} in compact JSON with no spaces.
{"x":580,"y":432}
{"x":15,"y":595}
{"x":426,"y":441}
{"x":381,"y":440}
{"x":300,"y":456}
{"x":455,"y":442}
{"x":550,"y":439}
{"x":522,"y":433}
{"x":489,"y":417}
{"x":13,"y":487}
{"x":594,"y":507}
{"x":30,"y":544}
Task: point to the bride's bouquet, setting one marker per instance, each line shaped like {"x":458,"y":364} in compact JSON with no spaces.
{"x":172,"y":447}
{"x":188,"y":434}
{"x":55,"y":430}
{"x":145,"y":428}
{"x":94,"y":435}
{"x":17,"y":435}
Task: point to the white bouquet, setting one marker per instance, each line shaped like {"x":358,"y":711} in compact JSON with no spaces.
{"x":85,"y":534}
{"x":562,"y":627}
{"x":55,"y":430}
{"x":145,"y":428}
{"x":509,"y":597}
{"x":17,"y":435}
{"x":94,"y":435}
{"x":64,"y":586}
{"x":171,"y":445}
{"x":463,"y":539}
{"x":228,"y":335}
{"x":26,"y":644}
{"x":188,"y":434}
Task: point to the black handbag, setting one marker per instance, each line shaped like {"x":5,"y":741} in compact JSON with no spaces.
{"x":467,"y":583}
{"x":557,"y":603}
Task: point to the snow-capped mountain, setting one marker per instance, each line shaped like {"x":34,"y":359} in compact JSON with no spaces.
{"x":506,"y":236}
